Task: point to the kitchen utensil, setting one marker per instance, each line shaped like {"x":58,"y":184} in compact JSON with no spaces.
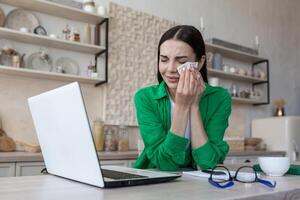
{"x":2,"y":17}
{"x":252,"y":141}
{"x":9,"y":55}
{"x":39,"y":61}
{"x":274,"y":166}
{"x":39,"y":30}
{"x":21,"y":18}
{"x":69,"y":66}
{"x":24,"y":30}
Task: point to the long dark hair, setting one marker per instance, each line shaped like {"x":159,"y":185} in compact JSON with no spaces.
{"x":189,"y":35}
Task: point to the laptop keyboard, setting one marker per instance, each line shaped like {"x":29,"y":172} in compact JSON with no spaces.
{"x":119,"y":175}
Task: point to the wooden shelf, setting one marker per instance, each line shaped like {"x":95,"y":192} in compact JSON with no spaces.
{"x":46,"y":75}
{"x":56,"y":9}
{"x":246,"y":101}
{"x":231,"y":76}
{"x":42,"y":40}
{"x":234,"y":54}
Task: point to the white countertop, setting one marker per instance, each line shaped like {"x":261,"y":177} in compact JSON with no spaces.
{"x":49,"y":187}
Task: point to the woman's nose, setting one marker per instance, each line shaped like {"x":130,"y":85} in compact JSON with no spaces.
{"x":172,"y":67}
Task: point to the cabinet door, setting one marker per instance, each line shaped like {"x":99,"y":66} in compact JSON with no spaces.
{"x":7,"y":169}
{"x":29,"y":168}
{"x":123,"y":163}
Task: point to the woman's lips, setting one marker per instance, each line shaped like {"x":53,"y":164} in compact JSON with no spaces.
{"x":173,"y":79}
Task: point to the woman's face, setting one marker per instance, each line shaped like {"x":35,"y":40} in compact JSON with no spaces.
{"x":174,"y":53}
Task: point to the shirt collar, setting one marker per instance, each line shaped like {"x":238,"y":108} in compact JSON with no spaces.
{"x":161,"y":91}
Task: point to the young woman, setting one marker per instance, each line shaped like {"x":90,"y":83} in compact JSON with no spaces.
{"x":183,"y":119}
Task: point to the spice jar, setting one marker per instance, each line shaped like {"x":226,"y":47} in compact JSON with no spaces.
{"x":123,"y":142}
{"x":98,"y":132}
{"x":110,"y":143}
{"x":66,"y":32}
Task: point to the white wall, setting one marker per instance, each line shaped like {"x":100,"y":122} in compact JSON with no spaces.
{"x":276,"y":22}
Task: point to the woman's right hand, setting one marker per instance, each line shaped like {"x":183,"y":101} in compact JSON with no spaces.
{"x":186,"y":89}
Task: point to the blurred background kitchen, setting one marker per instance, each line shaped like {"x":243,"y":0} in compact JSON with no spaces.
{"x":110,"y":47}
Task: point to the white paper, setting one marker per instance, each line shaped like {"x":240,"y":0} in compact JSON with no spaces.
{"x":187,"y":65}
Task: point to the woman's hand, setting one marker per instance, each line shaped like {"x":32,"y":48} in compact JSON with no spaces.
{"x":200,"y":87}
{"x":186,"y":89}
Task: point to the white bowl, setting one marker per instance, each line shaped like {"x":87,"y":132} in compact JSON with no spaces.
{"x":274,"y":166}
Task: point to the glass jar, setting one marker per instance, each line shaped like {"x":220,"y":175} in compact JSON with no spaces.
{"x":98,"y":132}
{"x":110,"y":143}
{"x":123,"y":142}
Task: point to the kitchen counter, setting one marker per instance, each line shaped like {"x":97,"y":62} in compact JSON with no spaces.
{"x":187,"y":187}
{"x":127,"y":155}
{"x":38,"y":157}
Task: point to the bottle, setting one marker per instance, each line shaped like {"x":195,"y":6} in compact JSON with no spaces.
{"x":123,"y":141}
{"x":98,"y":132}
{"x":87,"y":34}
{"x":110,"y":143}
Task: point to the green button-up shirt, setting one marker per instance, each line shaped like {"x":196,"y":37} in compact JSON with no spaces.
{"x":165,"y":150}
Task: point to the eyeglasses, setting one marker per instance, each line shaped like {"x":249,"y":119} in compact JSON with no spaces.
{"x":221,"y":177}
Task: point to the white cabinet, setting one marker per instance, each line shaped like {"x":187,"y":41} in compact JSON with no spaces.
{"x":7,"y":169}
{"x":29,"y":168}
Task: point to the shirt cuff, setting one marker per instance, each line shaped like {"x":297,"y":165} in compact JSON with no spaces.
{"x":204,"y":156}
{"x":176,"y":144}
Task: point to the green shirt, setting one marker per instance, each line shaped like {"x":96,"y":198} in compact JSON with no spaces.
{"x":169,"y":152}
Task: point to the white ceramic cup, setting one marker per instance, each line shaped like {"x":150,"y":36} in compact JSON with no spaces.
{"x":53,"y":36}
{"x":213,"y":81}
{"x":274,"y":166}
{"x":101,"y":10}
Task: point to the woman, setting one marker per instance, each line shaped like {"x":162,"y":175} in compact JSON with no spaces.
{"x":182,"y":120}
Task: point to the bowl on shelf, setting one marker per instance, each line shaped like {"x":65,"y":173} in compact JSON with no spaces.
{"x":274,"y":166}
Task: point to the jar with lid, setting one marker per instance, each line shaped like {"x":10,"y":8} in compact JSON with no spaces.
{"x":110,"y":143}
{"x":123,"y":140}
{"x":98,"y":132}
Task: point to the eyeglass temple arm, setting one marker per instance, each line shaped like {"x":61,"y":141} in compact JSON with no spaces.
{"x":267,"y":183}
{"x":216,"y":184}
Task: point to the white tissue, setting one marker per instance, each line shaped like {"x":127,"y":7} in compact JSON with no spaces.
{"x":187,"y":65}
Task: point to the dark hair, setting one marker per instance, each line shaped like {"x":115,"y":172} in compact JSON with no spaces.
{"x":189,"y":35}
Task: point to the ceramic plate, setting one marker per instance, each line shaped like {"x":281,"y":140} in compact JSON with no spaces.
{"x":21,"y":18}
{"x":38,"y":62}
{"x":68,"y":65}
{"x":2,"y":17}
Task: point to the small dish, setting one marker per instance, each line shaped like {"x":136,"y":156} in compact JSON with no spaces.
{"x":39,"y":61}
{"x":67,"y":65}
{"x":19,"y":18}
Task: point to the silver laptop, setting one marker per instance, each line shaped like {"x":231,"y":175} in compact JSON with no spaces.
{"x":67,"y":145}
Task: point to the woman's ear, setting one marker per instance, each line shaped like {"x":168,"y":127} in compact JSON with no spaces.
{"x":201,"y":61}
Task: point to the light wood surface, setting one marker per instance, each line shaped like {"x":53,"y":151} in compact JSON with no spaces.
{"x":245,"y":101}
{"x":126,"y":155}
{"x":56,"y":9}
{"x":187,"y":187}
{"x":42,"y":40}
{"x":46,"y":75}
{"x":32,"y":157}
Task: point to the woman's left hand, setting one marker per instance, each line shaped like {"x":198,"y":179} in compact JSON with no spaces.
{"x":198,"y":89}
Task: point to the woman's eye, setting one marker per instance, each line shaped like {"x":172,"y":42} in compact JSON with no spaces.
{"x":163,"y":60}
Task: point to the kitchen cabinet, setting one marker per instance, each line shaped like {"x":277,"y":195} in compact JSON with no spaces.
{"x":7,"y":169}
{"x":56,"y":9}
{"x":29,"y":168}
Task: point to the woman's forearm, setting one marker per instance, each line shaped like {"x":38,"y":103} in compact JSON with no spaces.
{"x":198,"y":134}
{"x":179,"y":120}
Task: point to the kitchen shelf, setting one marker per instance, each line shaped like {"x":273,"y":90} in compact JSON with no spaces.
{"x":46,"y":75}
{"x":42,"y":40}
{"x":56,"y":9}
{"x":232,"y":76}
{"x":246,"y":101}
{"x":231,"y":53}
